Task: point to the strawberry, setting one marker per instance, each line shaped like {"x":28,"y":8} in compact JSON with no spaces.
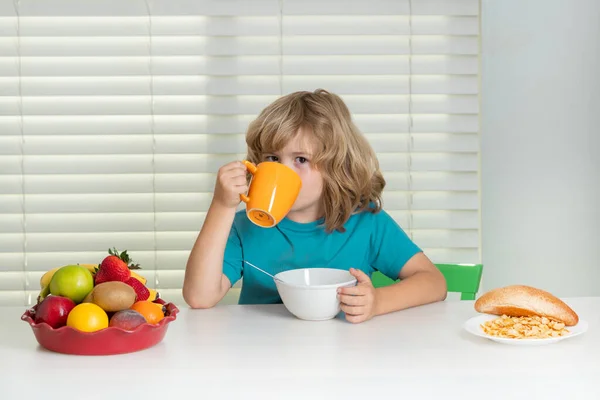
{"x":141,"y":291}
{"x":113,"y":268}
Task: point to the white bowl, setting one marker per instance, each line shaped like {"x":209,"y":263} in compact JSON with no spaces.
{"x":311,"y":293}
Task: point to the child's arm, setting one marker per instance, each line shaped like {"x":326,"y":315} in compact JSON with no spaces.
{"x":421,"y":283}
{"x":394,"y":254}
{"x":204,"y":283}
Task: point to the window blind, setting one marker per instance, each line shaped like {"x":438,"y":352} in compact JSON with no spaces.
{"x":115,"y":116}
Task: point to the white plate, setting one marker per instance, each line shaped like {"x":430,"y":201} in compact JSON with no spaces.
{"x":473,"y":326}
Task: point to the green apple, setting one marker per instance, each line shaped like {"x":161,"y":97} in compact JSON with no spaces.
{"x":72,"y":281}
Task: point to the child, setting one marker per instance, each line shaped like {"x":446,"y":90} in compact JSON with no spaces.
{"x":337,"y":220}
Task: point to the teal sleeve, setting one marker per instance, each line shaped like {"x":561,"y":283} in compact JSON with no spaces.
{"x":391,"y":247}
{"x":233,"y":257}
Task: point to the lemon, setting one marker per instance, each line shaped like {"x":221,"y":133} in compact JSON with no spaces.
{"x":87,"y":317}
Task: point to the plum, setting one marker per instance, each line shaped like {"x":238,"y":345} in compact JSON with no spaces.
{"x":127,"y":319}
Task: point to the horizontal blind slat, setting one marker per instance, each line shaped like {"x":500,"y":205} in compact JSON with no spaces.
{"x":12,"y":261}
{"x":350,"y":7}
{"x":12,"y":203}
{"x":90,"y":241}
{"x":11,"y":281}
{"x":200,"y":124}
{"x":382,"y":44}
{"x":183,"y":25}
{"x":89,"y":202}
{"x":442,"y":219}
{"x":385,"y":7}
{"x":449,"y":239}
{"x":245,"y":85}
{"x":39,"y":262}
{"x":11,"y":242}
{"x":76,"y":8}
{"x":109,"y":185}
{"x":8,"y":12}
{"x":9,"y":184}
{"x":379,"y":25}
{"x":444,"y":7}
{"x":60,"y":8}
{"x":89,"y":223}
{"x":10,"y":164}
{"x":460,"y":256}
{"x":14,"y":298}
{"x":238,"y":8}
{"x":9,"y":145}
{"x":140,"y":66}
{"x":223,"y":105}
{"x":118,"y":187}
{"x":378,"y":64}
{"x":11,"y":223}
{"x":71,"y":46}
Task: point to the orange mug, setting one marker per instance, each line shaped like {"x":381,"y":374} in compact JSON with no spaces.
{"x":273,"y":190}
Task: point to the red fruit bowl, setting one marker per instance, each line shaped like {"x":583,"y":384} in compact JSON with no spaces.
{"x":108,"y":341}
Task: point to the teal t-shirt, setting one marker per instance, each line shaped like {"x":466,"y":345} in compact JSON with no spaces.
{"x":372,"y":242}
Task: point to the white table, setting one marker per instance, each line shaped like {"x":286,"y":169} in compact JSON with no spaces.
{"x":263,"y":352}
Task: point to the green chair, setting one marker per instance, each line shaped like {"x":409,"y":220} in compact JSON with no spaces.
{"x":461,"y":278}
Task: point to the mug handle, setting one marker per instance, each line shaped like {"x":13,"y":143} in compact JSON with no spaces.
{"x":252,"y":169}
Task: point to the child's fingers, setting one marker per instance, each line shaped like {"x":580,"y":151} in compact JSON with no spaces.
{"x":353,"y":310}
{"x":241,"y":189}
{"x":238,"y":181}
{"x":232,"y":166}
{"x":352,"y":300}
{"x":355,"y":319}
{"x":353,"y":290}
{"x":234,"y":173}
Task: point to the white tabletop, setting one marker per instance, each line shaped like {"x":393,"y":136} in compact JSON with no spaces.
{"x":264,"y":352}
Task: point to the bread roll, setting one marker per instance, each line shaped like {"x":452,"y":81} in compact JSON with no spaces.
{"x":525,"y":301}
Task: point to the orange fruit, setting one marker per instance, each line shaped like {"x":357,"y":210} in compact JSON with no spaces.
{"x":149,"y":310}
{"x":87,"y":317}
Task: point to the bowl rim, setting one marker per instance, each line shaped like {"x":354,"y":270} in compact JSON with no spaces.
{"x":279,"y":281}
{"x":171,"y":308}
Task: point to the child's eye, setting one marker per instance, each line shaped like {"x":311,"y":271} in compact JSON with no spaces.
{"x":272,"y":158}
{"x":301,"y":160}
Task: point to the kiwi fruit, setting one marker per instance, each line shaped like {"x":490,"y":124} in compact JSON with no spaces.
{"x":89,"y":298}
{"x":113,"y":296}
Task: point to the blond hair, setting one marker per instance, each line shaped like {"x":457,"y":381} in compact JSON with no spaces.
{"x":352,"y":180}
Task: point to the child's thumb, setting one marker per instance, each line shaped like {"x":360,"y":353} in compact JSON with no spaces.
{"x":360,"y":276}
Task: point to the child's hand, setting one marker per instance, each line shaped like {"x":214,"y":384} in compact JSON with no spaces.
{"x":231,"y":181}
{"x":358,"y":302}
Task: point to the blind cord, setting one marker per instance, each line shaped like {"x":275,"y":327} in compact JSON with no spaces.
{"x":280,"y":20}
{"x":152,"y":131}
{"x":410,"y":144}
{"x":24,"y":244}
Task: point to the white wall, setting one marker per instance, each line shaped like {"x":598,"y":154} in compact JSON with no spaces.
{"x":541,"y":144}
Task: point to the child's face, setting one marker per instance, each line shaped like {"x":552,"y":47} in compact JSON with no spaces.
{"x":297,"y":155}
